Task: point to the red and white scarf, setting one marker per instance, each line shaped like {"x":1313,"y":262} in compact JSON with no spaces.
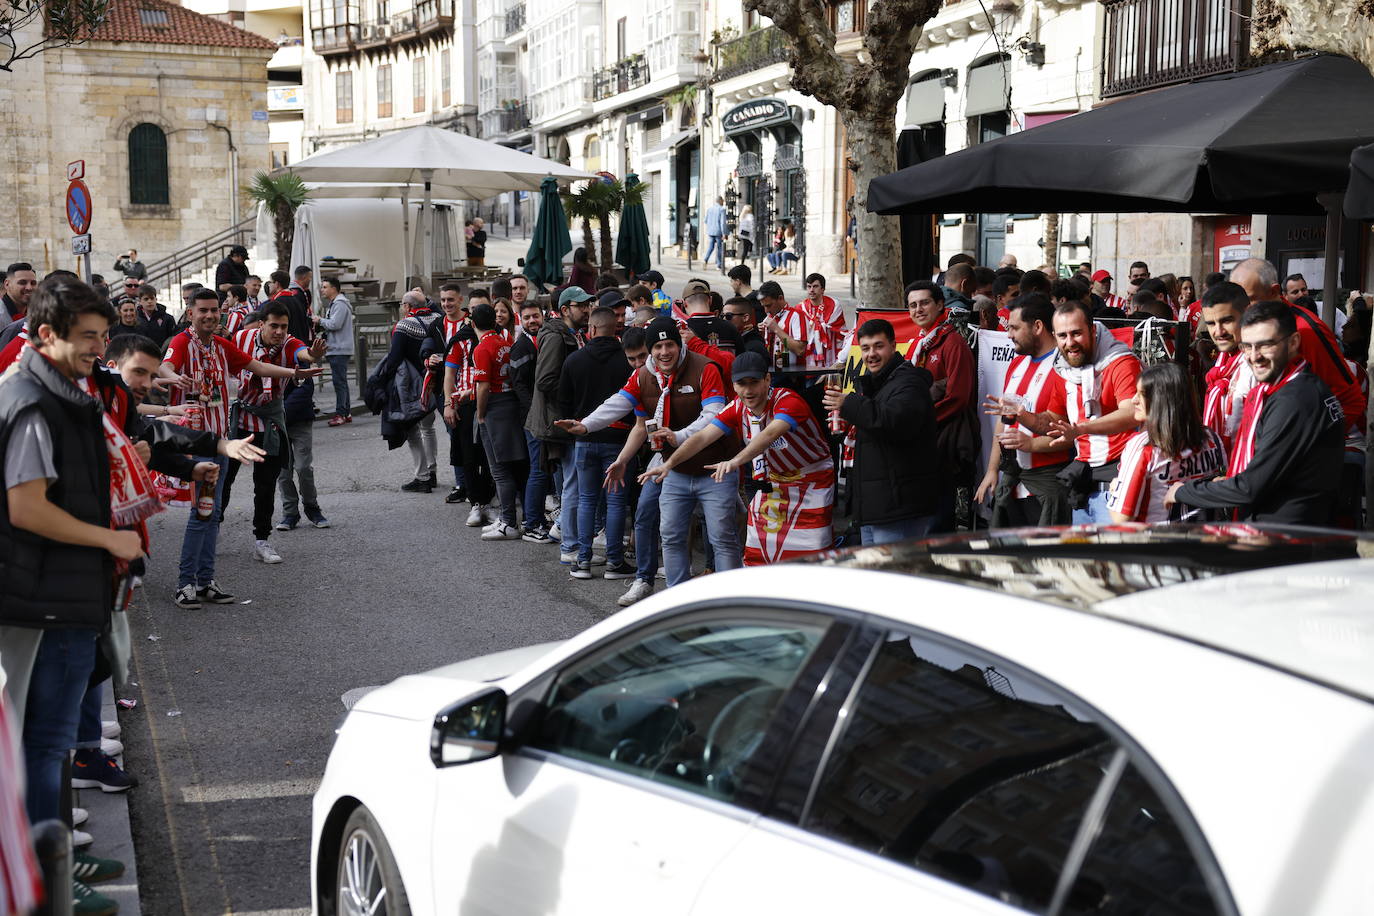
{"x":1218,"y":385}
{"x":133,"y":498}
{"x":1254,"y":404}
{"x":916,"y":355}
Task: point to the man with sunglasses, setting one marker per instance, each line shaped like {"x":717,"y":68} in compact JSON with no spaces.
{"x":743,"y":316}
{"x":1286,"y":457}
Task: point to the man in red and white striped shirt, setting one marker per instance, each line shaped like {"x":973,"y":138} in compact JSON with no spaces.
{"x":1029,"y":492}
{"x":258,"y":411}
{"x":208,"y":360}
{"x":785,"y":330}
{"x":788,"y":457}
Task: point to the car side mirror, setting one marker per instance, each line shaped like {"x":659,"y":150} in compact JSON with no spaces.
{"x":469,"y":730}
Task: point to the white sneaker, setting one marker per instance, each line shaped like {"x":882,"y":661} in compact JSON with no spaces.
{"x":599,"y":560}
{"x":80,"y":816}
{"x":490,"y":525}
{"x":599,"y":542}
{"x":637,"y":592}
{"x":110,"y":730}
{"x":567,"y":557}
{"x":555,"y":534}
{"x":551,"y":503}
{"x":81,"y":839}
{"x":137,"y":582}
{"x":501,"y":532}
{"x":111,"y":747}
{"x":264,"y":552}
{"x":476,"y":517}
{"x":490,"y":515}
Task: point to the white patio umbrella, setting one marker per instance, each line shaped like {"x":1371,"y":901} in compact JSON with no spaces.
{"x":365,"y":190}
{"x":465,"y":167}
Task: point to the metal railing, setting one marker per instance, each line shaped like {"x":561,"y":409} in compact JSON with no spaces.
{"x":1152,"y":43}
{"x":505,"y":120}
{"x":628,"y":74}
{"x":170,"y":272}
{"x":749,"y":52}
{"x":515,"y":18}
{"x":430,"y":12}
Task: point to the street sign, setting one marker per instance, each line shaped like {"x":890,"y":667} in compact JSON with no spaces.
{"x":78,"y":207}
{"x":754,"y":114}
{"x":76,"y":170}
{"x":81,"y":244}
{"x":259,"y":114}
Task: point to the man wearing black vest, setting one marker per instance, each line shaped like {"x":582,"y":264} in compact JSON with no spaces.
{"x":679,"y":391}
{"x":55,"y":526}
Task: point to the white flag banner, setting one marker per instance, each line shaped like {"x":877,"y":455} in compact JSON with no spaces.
{"x":995,"y":353}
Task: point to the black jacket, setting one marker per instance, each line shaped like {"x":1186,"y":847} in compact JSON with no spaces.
{"x":522,"y":358}
{"x":896,"y":463}
{"x":590,"y":376}
{"x":1293,"y":476}
{"x":43,"y":583}
{"x":159,"y":328}
{"x":751,"y":341}
{"x":231,"y":272}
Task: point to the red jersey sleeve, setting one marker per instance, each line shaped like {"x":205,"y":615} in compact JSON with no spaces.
{"x":729,"y":416}
{"x":292,"y":348}
{"x":791,"y":405}
{"x":1119,"y":382}
{"x":484,"y":368}
{"x":455,"y":356}
{"x":1130,"y":491}
{"x":711,"y":384}
{"x":176,"y":352}
{"x":236,"y":358}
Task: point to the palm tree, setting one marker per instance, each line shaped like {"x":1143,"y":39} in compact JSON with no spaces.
{"x":582,"y":205}
{"x":606,"y":197}
{"x":282,"y":195}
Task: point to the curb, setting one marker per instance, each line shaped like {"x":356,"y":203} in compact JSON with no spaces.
{"x":109,"y":824}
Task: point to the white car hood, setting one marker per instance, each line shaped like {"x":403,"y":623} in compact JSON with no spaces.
{"x":420,"y":696}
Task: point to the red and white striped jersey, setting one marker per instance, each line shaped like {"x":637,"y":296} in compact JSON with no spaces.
{"x":827,"y":329}
{"x":795,"y":325}
{"x":209,"y":367}
{"x":256,"y":390}
{"x":234,"y":320}
{"x":459,"y":359}
{"x":1108,"y":389}
{"x":1147,"y":473}
{"x":1034,"y":381}
{"x":800,"y":451}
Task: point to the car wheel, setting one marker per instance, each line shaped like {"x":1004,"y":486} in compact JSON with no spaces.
{"x":369,"y":882}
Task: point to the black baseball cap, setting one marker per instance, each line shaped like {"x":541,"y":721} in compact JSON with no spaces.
{"x":653,"y":276}
{"x":748,"y":365}
{"x":610,"y":298}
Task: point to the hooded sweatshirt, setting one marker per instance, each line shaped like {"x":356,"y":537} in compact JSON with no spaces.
{"x":590,"y":376}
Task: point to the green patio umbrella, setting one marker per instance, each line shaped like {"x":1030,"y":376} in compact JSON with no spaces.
{"x":544,"y":260}
{"x":632,"y":246}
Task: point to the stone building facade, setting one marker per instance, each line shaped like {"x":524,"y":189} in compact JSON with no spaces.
{"x":168,"y":109}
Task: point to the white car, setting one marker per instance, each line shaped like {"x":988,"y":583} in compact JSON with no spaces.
{"x":1124,"y":721}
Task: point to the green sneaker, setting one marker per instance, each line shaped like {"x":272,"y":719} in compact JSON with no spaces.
{"x":89,"y":869}
{"x":86,"y":902}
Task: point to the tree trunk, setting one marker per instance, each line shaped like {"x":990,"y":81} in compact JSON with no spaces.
{"x":286,"y":234}
{"x":587,"y":239}
{"x":878,"y":261}
{"x":607,"y":255}
{"x":1051,"y":242}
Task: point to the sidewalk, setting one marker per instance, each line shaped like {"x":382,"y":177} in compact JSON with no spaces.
{"x":109,"y":825}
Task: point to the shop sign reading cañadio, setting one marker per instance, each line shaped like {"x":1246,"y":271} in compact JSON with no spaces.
{"x":754,"y":114}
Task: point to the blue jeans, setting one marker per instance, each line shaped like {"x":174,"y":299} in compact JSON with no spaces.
{"x":61,"y":670}
{"x":902,"y":530}
{"x":714,"y":244}
{"x":567,"y":517}
{"x":1097,"y":512}
{"x":646,"y":532}
{"x":593,"y":458}
{"x":89,"y":725}
{"x":537,"y":486}
{"x":198,"y":545}
{"x":338,"y":371}
{"x":680,"y":495}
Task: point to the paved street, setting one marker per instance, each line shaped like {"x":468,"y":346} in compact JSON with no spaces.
{"x":237,"y":702}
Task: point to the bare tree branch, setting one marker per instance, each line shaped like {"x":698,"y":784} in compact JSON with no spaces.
{"x":65,"y":22}
{"x":817,"y":70}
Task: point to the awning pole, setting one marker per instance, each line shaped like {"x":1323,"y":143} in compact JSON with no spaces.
{"x":1333,"y":203}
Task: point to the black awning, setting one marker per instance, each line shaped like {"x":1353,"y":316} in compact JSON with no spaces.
{"x":1359,"y":197}
{"x":1266,"y":140}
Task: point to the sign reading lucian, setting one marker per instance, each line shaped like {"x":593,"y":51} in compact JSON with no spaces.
{"x":754,"y":114}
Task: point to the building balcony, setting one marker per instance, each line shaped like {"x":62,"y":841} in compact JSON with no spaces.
{"x":628,"y":74}
{"x":433,"y":15}
{"x":1153,"y":43}
{"x":515,"y":19}
{"x":750,"y":51}
{"x":512,"y":118}
{"x":335,"y":39}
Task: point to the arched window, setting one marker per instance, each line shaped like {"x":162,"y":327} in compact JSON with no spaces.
{"x":592,"y":154}
{"x":148,"y":165}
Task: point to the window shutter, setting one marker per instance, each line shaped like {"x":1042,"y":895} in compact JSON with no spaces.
{"x":148,"y":165}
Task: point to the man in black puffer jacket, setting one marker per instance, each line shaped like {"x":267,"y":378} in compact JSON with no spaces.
{"x":896,"y":463}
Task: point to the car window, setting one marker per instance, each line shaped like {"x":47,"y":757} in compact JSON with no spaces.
{"x":981,"y":777}
{"x":687,"y":705}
